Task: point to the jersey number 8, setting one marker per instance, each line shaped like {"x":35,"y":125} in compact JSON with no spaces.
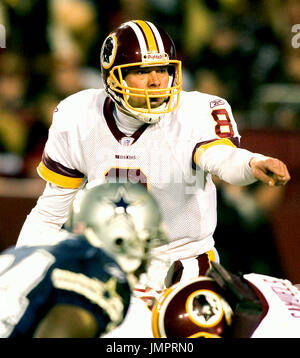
{"x":223,"y":127}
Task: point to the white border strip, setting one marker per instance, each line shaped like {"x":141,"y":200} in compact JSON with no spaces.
{"x":157,"y":36}
{"x":139,"y":36}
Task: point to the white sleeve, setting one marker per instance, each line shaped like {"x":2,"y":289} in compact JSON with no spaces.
{"x":229,"y":164}
{"x":43,"y":224}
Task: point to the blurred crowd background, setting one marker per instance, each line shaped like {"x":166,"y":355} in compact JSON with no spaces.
{"x":241,"y":50}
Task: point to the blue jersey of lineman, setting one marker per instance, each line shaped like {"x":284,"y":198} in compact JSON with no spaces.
{"x":34,"y":279}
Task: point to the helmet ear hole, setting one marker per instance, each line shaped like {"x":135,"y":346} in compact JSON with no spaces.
{"x":119,"y":241}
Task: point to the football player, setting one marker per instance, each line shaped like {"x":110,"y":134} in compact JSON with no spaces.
{"x":143,"y":128}
{"x":224,"y":305}
{"x":81,"y":286}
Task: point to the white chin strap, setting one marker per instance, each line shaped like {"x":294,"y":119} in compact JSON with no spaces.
{"x":145,"y":117}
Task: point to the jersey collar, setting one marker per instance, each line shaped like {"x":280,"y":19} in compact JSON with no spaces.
{"x":108,"y":109}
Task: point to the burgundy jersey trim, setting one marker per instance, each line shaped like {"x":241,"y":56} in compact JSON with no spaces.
{"x":234,"y":140}
{"x":203,"y":264}
{"x":59,"y":168}
{"x":108,"y":109}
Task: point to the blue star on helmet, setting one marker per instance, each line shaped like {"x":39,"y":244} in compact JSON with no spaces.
{"x":121,"y":203}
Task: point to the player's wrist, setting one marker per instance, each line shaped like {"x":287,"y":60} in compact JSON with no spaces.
{"x":256,"y":157}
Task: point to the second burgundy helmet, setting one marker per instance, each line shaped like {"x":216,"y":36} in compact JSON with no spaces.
{"x":194,"y":308}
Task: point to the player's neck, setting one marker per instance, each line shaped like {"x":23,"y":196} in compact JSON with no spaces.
{"x":126,"y":124}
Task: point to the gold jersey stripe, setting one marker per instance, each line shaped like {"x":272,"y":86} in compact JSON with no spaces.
{"x":149,"y":35}
{"x":58,"y":179}
{"x":204,"y":147}
{"x":211,"y":255}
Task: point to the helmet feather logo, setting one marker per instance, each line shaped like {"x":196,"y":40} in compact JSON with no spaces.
{"x":108,"y":51}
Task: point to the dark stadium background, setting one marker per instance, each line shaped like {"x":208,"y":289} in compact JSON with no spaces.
{"x":242,"y":50}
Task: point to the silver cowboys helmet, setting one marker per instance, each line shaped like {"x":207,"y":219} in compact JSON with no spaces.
{"x":123,"y":219}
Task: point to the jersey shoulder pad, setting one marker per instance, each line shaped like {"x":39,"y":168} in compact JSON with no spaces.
{"x":196,"y":105}
{"x":70,"y":111}
{"x":200,"y":99}
{"x":203,"y":112}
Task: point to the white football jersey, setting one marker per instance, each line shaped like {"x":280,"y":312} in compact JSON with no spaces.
{"x":281,"y":307}
{"x":84,"y":142}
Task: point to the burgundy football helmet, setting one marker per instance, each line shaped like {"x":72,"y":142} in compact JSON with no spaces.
{"x":192,"y":309}
{"x":140,"y":44}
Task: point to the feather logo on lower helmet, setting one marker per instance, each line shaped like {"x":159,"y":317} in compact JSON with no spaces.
{"x":204,"y":308}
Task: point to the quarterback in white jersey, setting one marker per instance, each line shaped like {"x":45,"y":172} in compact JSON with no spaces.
{"x":143,"y":128}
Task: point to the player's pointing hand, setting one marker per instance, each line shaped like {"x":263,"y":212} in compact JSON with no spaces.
{"x":269,"y":170}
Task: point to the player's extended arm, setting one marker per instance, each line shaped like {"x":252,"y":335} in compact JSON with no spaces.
{"x":239,"y":166}
{"x":59,"y":168}
{"x":43,"y":225}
